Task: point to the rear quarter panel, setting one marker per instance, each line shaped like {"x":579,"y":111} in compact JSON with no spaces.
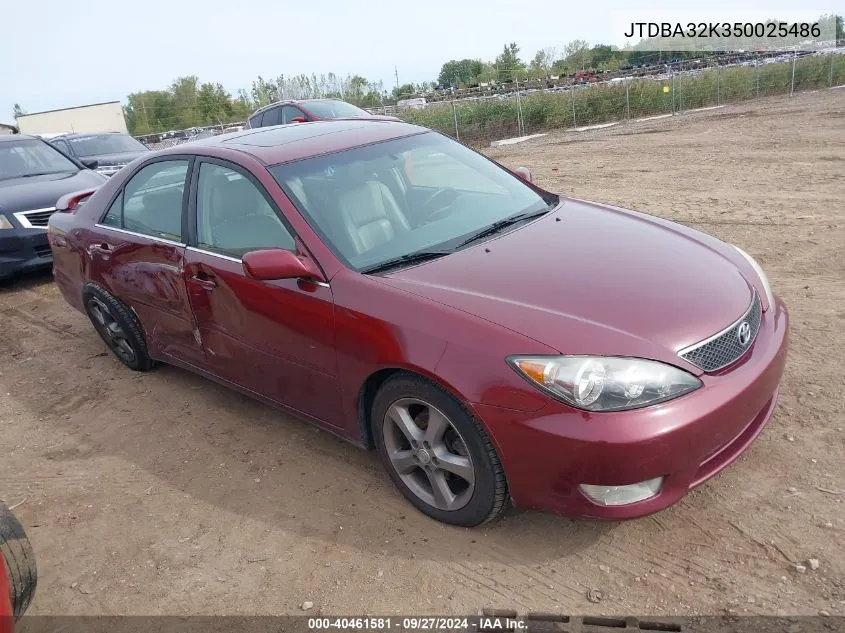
{"x":72,"y":235}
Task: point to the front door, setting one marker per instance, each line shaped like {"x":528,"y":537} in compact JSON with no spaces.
{"x":275,"y":338}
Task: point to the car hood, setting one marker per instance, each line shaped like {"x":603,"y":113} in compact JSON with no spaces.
{"x":589,"y":279}
{"x":42,"y":192}
{"x":120,"y":158}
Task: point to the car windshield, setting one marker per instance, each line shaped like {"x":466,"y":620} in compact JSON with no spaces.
{"x":333,"y":109}
{"x":104,"y":144}
{"x":31,"y":157}
{"x":399,"y":198}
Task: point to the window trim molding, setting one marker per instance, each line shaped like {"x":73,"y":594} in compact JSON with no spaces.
{"x":155,"y":238}
{"x":197,"y":249}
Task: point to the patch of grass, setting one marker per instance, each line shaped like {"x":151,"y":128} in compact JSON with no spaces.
{"x":483,"y":120}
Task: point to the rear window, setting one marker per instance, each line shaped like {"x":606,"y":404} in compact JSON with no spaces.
{"x":334,"y":109}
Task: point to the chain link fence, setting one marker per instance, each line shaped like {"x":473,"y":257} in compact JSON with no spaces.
{"x":478,"y":120}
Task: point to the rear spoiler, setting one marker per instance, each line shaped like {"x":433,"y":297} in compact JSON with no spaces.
{"x":71,"y":202}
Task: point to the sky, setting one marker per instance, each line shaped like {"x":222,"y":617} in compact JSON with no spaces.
{"x":56,"y":53}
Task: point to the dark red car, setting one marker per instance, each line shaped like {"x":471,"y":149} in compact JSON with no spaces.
{"x":490,"y":339}
{"x":306,"y":110}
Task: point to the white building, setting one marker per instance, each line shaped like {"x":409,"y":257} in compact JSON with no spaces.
{"x":97,"y":117}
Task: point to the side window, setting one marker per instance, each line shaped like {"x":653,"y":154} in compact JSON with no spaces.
{"x":256,"y":122}
{"x":233,"y":216}
{"x":289,"y":113}
{"x":271,"y":117}
{"x":63,"y":147}
{"x":152,"y":200}
{"x":114,"y":217}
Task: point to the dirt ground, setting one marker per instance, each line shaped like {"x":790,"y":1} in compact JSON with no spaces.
{"x":163,"y":493}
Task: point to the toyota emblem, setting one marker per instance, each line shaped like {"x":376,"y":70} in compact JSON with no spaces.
{"x":743,"y":333}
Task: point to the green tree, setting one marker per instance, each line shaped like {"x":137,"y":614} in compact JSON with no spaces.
{"x":18,"y":110}
{"x":544,"y":59}
{"x":403,"y":91}
{"x":577,"y":55}
{"x":150,"y":111}
{"x":264,"y":92}
{"x":214,"y":104}
{"x":459,"y":73}
{"x":508,"y":64}
{"x":185,"y":94}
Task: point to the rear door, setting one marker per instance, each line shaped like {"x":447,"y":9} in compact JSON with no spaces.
{"x":275,"y":338}
{"x":139,"y":256}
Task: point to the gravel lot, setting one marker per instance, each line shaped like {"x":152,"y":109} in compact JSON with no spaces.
{"x":165,"y":493}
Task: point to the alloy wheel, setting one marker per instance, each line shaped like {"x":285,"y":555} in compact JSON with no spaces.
{"x":111,"y":330}
{"x":428,"y":453}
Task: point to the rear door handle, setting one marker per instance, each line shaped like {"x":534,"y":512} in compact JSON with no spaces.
{"x":204,"y":281}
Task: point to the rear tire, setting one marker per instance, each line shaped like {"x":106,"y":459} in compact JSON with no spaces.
{"x":16,"y":552}
{"x":437,"y":453}
{"x":118,"y":326}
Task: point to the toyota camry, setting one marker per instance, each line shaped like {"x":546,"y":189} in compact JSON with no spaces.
{"x":492,"y":341}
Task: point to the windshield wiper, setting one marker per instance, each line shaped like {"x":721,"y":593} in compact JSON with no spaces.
{"x":410,"y":258}
{"x":502,"y":224}
{"x":43,"y":173}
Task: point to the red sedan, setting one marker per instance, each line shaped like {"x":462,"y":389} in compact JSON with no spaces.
{"x":305,"y":110}
{"x":491,"y":340}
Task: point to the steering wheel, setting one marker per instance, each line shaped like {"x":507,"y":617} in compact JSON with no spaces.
{"x":439,"y":202}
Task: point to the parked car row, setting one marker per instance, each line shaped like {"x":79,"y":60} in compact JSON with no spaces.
{"x":33,"y":176}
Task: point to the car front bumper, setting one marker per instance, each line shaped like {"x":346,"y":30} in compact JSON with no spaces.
{"x":23,"y":250}
{"x":548,"y":454}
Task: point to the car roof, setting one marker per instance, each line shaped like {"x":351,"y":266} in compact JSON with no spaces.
{"x":84,"y":134}
{"x":296,"y":141}
{"x":16,"y":137}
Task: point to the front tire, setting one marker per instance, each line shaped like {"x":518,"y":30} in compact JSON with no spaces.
{"x":437,"y":453}
{"x":118,"y":326}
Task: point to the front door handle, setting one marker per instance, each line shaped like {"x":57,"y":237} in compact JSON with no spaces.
{"x":204,"y":281}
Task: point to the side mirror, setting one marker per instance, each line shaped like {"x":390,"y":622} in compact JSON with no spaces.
{"x":277,"y":263}
{"x":298,"y":119}
{"x":90,"y":163}
{"x":523,"y":173}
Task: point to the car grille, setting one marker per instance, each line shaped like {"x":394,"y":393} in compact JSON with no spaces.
{"x":721,"y":350}
{"x":43,"y":251}
{"x":37,"y":218}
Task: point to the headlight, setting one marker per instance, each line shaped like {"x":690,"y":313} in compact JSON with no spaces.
{"x":4,"y":223}
{"x":770,"y":299}
{"x":605,"y":383}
